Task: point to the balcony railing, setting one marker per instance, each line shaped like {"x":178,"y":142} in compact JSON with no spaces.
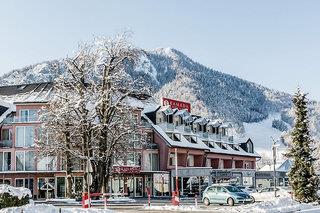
{"x":8,"y":120}
{"x":6,"y":144}
{"x":205,"y":135}
{"x":187,"y":128}
{"x":218,"y":137}
{"x":170,"y":127}
{"x":18,"y":119}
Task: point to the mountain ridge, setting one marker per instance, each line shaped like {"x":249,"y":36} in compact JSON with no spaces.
{"x":168,"y":72}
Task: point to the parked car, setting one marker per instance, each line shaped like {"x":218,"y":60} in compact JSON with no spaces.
{"x":248,"y":189}
{"x":225,"y":194}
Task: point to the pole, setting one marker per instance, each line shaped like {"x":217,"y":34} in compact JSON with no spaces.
{"x":274,"y":154}
{"x":176,"y":164}
{"x":88,"y":184}
{"x":47,"y":187}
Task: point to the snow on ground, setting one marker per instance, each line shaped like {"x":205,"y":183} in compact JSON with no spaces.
{"x":269,"y":196}
{"x":277,"y":205}
{"x":171,"y":208}
{"x":47,"y":208}
{"x":283,"y":205}
{"x":261,"y":133}
{"x":63,"y":200}
{"x":19,"y":192}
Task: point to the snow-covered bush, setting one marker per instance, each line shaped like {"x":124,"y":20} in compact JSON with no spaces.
{"x":13,"y":196}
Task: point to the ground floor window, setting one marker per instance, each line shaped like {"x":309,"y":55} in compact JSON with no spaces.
{"x":248,"y":181}
{"x":46,"y":187}
{"x":5,"y":181}
{"x":61,"y":187}
{"x":78,"y":185}
{"x":133,"y":186}
{"x":161,"y":184}
{"x":191,"y":186}
{"x":25,"y":182}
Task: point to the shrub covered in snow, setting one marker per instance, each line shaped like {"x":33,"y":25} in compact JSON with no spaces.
{"x":13,"y":196}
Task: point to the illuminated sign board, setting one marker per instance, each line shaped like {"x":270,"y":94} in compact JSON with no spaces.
{"x":175,"y":104}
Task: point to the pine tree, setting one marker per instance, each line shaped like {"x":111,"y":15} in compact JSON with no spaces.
{"x":302,"y":176}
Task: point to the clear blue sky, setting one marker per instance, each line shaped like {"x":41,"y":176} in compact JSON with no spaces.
{"x":274,"y":43}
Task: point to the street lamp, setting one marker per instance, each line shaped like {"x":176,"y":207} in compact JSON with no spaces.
{"x":274,"y":154}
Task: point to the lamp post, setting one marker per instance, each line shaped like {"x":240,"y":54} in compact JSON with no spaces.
{"x":176,"y":168}
{"x":274,"y":155}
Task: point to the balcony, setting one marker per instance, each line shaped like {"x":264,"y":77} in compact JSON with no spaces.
{"x":8,"y":120}
{"x":205,"y":135}
{"x":6,"y":144}
{"x":218,"y":137}
{"x":18,"y":119}
{"x":170,"y":127}
{"x":227,"y":138}
{"x":187,"y":128}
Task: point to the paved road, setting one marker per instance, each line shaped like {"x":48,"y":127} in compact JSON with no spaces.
{"x":138,"y":206}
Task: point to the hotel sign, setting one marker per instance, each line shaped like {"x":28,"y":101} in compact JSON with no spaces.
{"x":175,"y":104}
{"x":126,"y":169}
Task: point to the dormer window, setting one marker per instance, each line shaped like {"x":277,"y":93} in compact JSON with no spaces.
{"x":250,"y":147}
{"x":222,"y":146}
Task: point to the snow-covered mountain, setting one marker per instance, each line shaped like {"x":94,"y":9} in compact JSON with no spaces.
{"x":172,"y":74}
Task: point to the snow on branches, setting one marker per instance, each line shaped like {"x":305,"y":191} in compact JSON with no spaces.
{"x":91,"y":117}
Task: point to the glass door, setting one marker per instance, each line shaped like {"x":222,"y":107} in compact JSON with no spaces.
{"x":138,"y":189}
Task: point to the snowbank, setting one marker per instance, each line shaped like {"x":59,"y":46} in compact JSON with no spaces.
{"x":19,"y":192}
{"x":277,"y":205}
{"x":46,"y":208}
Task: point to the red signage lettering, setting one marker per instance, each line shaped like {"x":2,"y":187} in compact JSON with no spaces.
{"x":176,"y":104}
{"x":126,"y":169}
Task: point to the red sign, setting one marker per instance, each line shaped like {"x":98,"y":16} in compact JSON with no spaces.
{"x":175,"y":104}
{"x":126,"y":169}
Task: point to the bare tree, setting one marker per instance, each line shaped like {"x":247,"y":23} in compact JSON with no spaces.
{"x":97,"y":96}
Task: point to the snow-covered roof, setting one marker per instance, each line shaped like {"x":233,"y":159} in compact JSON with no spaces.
{"x":182,"y":112}
{"x":215,"y":123}
{"x":26,"y":93}
{"x":167,"y":110}
{"x":5,"y":109}
{"x":150,"y":107}
{"x":183,"y":143}
{"x":280,"y":167}
{"x":164,"y":129}
{"x":226,"y":125}
{"x":201,"y":121}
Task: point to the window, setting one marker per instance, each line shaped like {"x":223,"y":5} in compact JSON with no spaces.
{"x":247,"y":165}
{"x":28,"y":115}
{"x":24,"y":136}
{"x":222,"y":146}
{"x":5,"y":161}
{"x":6,"y":134}
{"x":25,"y":161}
{"x":149,"y":137}
{"x":134,"y":159}
{"x":6,"y":138}
{"x":208,"y":162}
{"x":24,"y":182}
{"x":136,"y":118}
{"x":250,"y":147}
{"x":172,"y":161}
{"x":190,"y":160}
{"x":152,"y":162}
{"x":48,"y":163}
